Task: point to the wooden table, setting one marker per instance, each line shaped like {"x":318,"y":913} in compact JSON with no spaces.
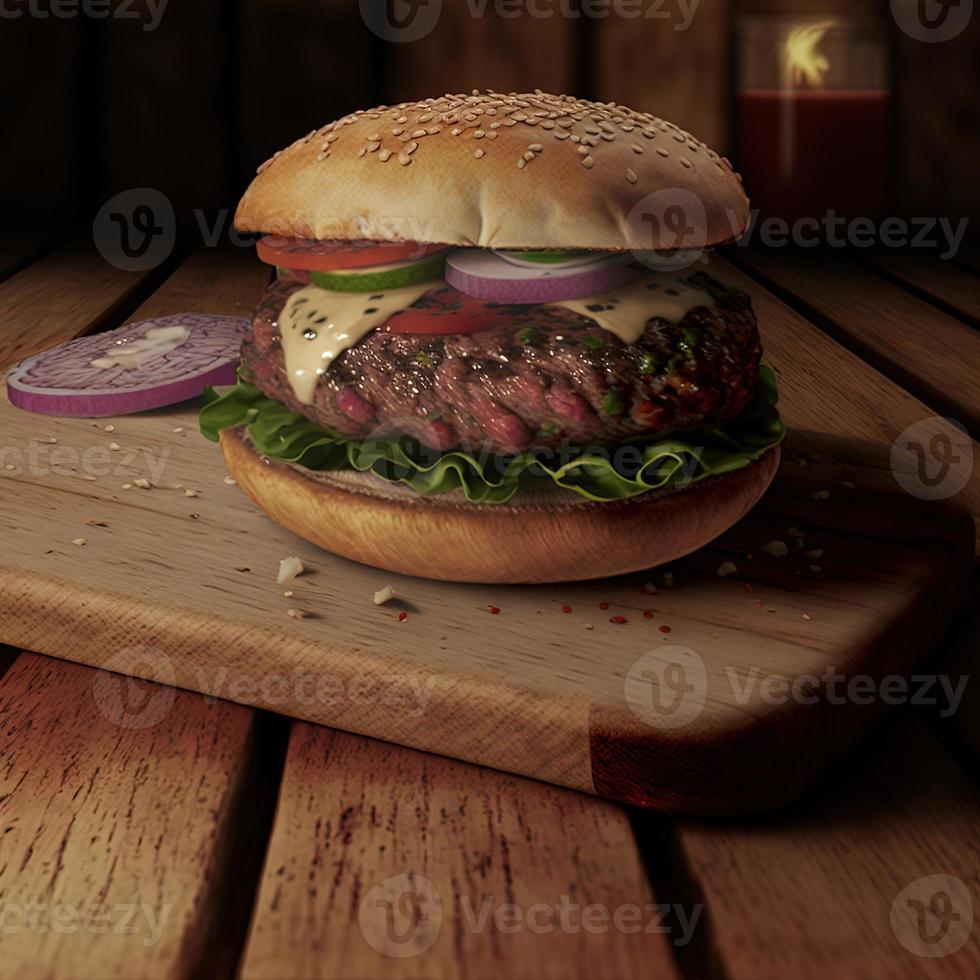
{"x":221,"y":839}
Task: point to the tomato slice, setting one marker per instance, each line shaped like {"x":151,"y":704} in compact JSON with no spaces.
{"x":325,"y":256}
{"x":448,"y":311}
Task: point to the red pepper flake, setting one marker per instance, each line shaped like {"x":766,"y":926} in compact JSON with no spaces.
{"x":647,"y":614}
{"x":402,"y":616}
{"x":566,"y":608}
{"x":748,"y":587}
{"x":619,"y":620}
{"x":603,"y":605}
{"x":494,"y":610}
{"x":664,"y":629}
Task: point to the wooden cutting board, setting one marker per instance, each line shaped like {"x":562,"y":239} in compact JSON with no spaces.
{"x":674,"y":699}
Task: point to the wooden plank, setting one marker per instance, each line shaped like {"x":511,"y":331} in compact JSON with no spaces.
{"x":19,"y":248}
{"x":939,"y":135}
{"x":672,"y":60}
{"x":959,"y":658}
{"x":927,"y":352}
{"x":332,"y":67}
{"x":150,"y":114}
{"x":119,"y":802}
{"x":355,"y":814}
{"x":82,"y":843}
{"x":838,"y":408}
{"x":68,"y":293}
{"x":462,"y":52}
{"x":953,"y":289}
{"x":41,"y":69}
{"x":814,"y":891}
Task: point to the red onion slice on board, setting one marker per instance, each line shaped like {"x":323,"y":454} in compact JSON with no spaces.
{"x":485,"y":275}
{"x":182,"y":354}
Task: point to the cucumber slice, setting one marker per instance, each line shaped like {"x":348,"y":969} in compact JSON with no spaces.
{"x":430,"y":267}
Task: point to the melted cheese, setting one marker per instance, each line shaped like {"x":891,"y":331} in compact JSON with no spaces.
{"x":132,"y":352}
{"x":625,"y":311}
{"x":317,"y":325}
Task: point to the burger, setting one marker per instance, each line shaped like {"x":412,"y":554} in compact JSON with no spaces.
{"x":494,"y":349}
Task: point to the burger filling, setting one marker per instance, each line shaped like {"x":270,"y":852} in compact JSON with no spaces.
{"x":444,"y":376}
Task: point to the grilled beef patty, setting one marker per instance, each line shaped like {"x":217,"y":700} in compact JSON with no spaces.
{"x":544,"y":377}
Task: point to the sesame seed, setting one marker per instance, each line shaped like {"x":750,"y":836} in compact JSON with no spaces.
{"x":663,"y":152}
{"x":374,"y":136}
{"x":584,"y":150}
{"x":373,"y":146}
{"x":636,"y":148}
{"x":397,"y":131}
{"x":535,"y":147}
{"x":588,"y":163}
{"x":631,"y":176}
{"x":479,"y":152}
{"x":412,"y":147}
{"x":404,"y":159}
{"x":687,"y":163}
{"x":521,"y":164}
{"x":528,"y":155}
{"x":384,"y":155}
{"x":478,"y":134}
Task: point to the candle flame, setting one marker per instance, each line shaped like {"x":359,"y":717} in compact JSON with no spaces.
{"x":806,"y":65}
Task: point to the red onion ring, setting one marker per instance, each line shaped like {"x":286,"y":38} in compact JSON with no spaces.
{"x":485,"y":275}
{"x":63,"y":380}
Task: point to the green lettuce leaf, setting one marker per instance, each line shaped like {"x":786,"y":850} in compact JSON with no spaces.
{"x":599,"y":472}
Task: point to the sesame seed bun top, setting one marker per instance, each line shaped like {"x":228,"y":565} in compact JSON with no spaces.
{"x":500,"y":171}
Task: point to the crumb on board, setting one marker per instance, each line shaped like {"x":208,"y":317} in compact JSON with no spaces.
{"x":806,"y":616}
{"x":96,"y":522}
{"x":776,"y":549}
{"x":727,"y":568}
{"x":289,"y":568}
{"x":649,"y":588}
{"x":813,"y":553}
{"x":822,"y":495}
{"x":142,"y":483}
{"x":816,"y":568}
{"x":79,"y":541}
{"x":230,"y":480}
{"x":178,"y":428}
{"x":190,"y":493}
{"x":296,"y":614}
{"x":114,"y":447}
{"x":847,"y":484}
{"x":288,"y":593}
{"x":669,"y":579}
{"x":109,"y":428}
{"x":384,"y":595}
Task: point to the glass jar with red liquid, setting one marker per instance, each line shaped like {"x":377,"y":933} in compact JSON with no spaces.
{"x":812,"y":111}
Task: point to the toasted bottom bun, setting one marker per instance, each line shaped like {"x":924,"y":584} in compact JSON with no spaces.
{"x":539,"y":536}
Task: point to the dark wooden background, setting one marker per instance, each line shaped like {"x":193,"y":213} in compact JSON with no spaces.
{"x":93,"y":107}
